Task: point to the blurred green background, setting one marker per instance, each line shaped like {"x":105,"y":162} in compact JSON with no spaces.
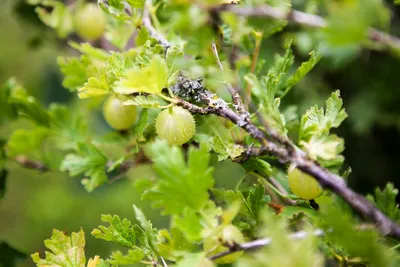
{"x":36,"y":203}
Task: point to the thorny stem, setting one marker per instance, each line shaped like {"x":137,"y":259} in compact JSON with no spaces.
{"x":272,"y":143}
{"x":262,"y":243}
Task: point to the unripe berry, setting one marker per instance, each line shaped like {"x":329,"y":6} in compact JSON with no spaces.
{"x":117,"y":115}
{"x":176,"y":125}
{"x":90,"y":22}
{"x":303,"y":185}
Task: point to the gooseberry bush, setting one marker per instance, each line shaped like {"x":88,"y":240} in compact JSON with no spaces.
{"x":182,"y":85}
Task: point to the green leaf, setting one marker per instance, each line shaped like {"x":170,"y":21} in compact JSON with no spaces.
{"x":303,"y":253}
{"x":68,"y":128}
{"x":339,"y":227}
{"x":66,"y":251}
{"x":133,"y":256}
{"x":256,"y":201}
{"x":88,"y":161}
{"x":174,"y":56}
{"x":59,"y":18}
{"x":171,"y":245}
{"x":226,"y":147}
{"x":189,"y":223}
{"x":259,"y":166}
{"x":302,"y":71}
{"x":136,"y":3}
{"x":385,"y":201}
{"x":23,"y":141}
{"x":315,"y":127}
{"x":94,"y":87}
{"x":142,"y":37}
{"x":120,"y":232}
{"x":265,"y":91}
{"x":150,"y":101}
{"x":88,"y":50}
{"x":76,"y":71}
{"x":29,"y":107}
{"x":179,"y":181}
{"x":144,"y":223}
{"x":114,"y":8}
{"x":195,"y":260}
{"x":325,"y":147}
{"x":7,"y":110}
{"x":9,"y":255}
{"x":141,"y":126}
{"x":119,"y":33}
{"x":150,"y":79}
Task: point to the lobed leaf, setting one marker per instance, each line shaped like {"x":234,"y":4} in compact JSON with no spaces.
{"x":65,"y":251}
{"x":179,"y":181}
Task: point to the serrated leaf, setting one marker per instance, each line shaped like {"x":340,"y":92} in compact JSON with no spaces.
{"x":178,"y":180}
{"x":59,"y":18}
{"x":385,"y":201}
{"x":150,"y":79}
{"x":118,"y":231}
{"x":174,"y":55}
{"x":189,"y":223}
{"x":94,"y":87}
{"x":68,"y":128}
{"x":339,"y":227}
{"x":114,"y":8}
{"x":171,"y":245}
{"x":265,"y":90}
{"x":7,"y":110}
{"x":144,"y":223}
{"x":302,"y":71}
{"x":142,"y":37}
{"x":224,"y":145}
{"x":150,"y":101}
{"x":66,"y":251}
{"x":90,"y":51}
{"x":133,"y":256}
{"x":97,"y":262}
{"x":88,"y":161}
{"x":256,"y":201}
{"x":259,"y":166}
{"x":315,"y":127}
{"x":29,"y":107}
{"x":141,"y":126}
{"x":24,"y":141}
{"x":324,"y":147}
{"x":74,"y":71}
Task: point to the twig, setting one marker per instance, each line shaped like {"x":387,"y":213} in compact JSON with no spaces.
{"x":297,"y":157}
{"x":262,"y":243}
{"x":305,"y":19}
{"x":153,"y":32}
{"x":31,"y":164}
{"x":288,"y":153}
